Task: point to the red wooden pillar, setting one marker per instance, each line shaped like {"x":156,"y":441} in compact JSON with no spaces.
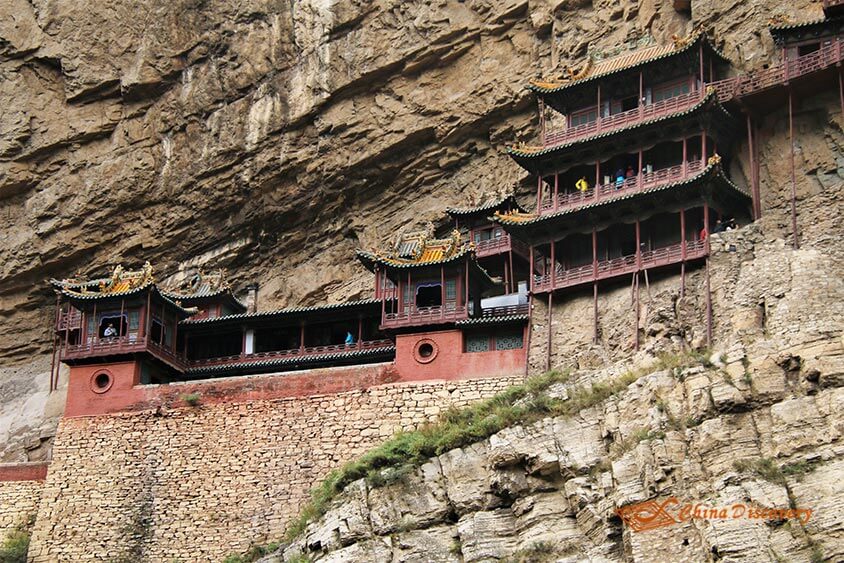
{"x":636,"y":310}
{"x":530,"y":271}
{"x":685,"y":155}
{"x":550,"y":308}
{"x":597,"y":176}
{"x":53,"y":377}
{"x":683,"y":253}
{"x":506,"y":277}
{"x":96,"y":326}
{"x":638,"y":246}
{"x":553,"y":267}
{"x":556,"y":189}
{"x":147,"y":315}
{"x":541,"y":104}
{"x":302,"y":337}
{"x":360,"y":331}
{"x":513,"y":285}
{"x":700,"y":54}
{"x":467,"y":288}
{"x":641,"y":176}
{"x":795,"y":240}
{"x":409,"y":292}
{"x":708,"y":287}
{"x":703,"y":148}
{"x":442,"y":288}
{"x":595,"y":284}
{"x":174,"y":347}
{"x":539,"y":194}
{"x":598,"y":113}
{"x":120,"y":328}
{"x":641,"y":103}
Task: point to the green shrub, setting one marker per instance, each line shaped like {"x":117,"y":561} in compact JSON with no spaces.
{"x":191,"y":399}
{"x":15,"y":547}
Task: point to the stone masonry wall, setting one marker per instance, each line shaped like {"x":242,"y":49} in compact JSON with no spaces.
{"x":196,"y":484}
{"x":18,"y":504}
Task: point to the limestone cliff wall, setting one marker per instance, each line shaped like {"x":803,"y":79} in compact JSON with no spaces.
{"x":758,"y":431}
{"x":274,"y":137}
{"x":198,"y":484}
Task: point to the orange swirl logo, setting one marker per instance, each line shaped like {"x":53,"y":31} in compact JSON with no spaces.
{"x":647,"y":515}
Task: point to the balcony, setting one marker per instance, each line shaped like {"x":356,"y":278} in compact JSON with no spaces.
{"x":500,"y":245}
{"x":606,"y":269}
{"x":778,"y":75}
{"x":623,"y":119}
{"x":420,"y":316}
{"x":123,"y":345}
{"x":69,"y":320}
{"x":305,"y":352}
{"x":629,"y":186}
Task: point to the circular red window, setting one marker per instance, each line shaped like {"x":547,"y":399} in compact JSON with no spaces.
{"x":101,"y":381}
{"x":425,"y":351}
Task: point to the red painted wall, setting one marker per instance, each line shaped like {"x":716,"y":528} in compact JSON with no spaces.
{"x":449,"y":361}
{"x":35,"y":471}
{"x":123,"y":394}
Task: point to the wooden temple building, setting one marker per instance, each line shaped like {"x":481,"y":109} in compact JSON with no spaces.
{"x":631,"y":179}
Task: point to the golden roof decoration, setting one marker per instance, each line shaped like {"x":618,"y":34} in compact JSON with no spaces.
{"x":714,"y":159}
{"x":515,"y":216}
{"x":419,"y":248}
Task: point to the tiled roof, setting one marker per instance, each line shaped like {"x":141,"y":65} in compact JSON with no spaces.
{"x":122,"y":282}
{"x":284,"y":312}
{"x":419,"y":248}
{"x":202,"y":286}
{"x":260,"y":364}
{"x":530,"y":152}
{"x":714,"y":169}
{"x":785,"y":26}
{"x":488,"y":206}
{"x":626,"y":61}
{"x":492,"y":320}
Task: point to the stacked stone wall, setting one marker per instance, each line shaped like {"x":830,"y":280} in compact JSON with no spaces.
{"x":18,"y":505}
{"x":196,"y":484}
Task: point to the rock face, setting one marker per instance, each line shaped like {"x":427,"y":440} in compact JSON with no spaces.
{"x":274,"y":137}
{"x":706,"y":436}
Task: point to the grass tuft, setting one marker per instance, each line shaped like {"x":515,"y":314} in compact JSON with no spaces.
{"x":16,"y":546}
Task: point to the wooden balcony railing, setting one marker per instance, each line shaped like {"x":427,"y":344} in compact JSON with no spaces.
{"x":424,"y":315}
{"x":69,"y":320}
{"x":492,"y":246}
{"x":605,"y":269}
{"x":306,"y":352}
{"x":624,"y":119}
{"x":739,"y":86}
{"x":123,"y":345}
{"x":629,"y":185}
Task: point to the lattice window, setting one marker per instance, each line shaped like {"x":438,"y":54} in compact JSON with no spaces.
{"x":477,"y":343}
{"x":512,"y":341}
{"x":450,"y":290}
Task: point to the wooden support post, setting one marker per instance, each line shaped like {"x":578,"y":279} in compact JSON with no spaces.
{"x":360,"y":331}
{"x":541,"y":104}
{"x":96,"y":327}
{"x":841,"y":87}
{"x":641,"y":104}
{"x":531,"y":272}
{"x":120,"y":328}
{"x":754,"y":180}
{"x":174,"y":347}
{"x":553,"y":267}
{"x":703,"y":148}
{"x":550,"y":307}
{"x":708,"y":304}
{"x":795,"y":240}
{"x":147,"y":316}
{"x":598,"y":113}
{"x":302,"y":337}
{"x":53,"y":375}
{"x":597,"y":176}
{"x":556,"y":189}
{"x":442,"y":287}
{"x":539,"y":194}
{"x":467,"y":290}
{"x":636,"y":309}
{"x":683,"y":253}
{"x":513,"y":285}
{"x":595,"y":312}
{"x":685,"y":155}
{"x":641,"y":176}
{"x":700,"y":54}
{"x":638,"y":247}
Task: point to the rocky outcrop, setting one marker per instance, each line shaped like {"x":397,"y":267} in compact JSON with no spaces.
{"x":755,"y":432}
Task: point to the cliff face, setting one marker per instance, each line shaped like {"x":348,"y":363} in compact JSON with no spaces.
{"x":746,"y":434}
{"x":271,"y":138}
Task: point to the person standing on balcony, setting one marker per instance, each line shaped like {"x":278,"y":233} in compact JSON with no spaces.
{"x":350,"y":340}
{"x":110,"y":331}
{"x":582,"y":185}
{"x":619,"y":178}
{"x":630,"y":173}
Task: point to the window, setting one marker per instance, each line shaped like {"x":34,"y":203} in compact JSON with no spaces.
{"x":583,"y":117}
{"x":666,"y":91}
{"x":477,"y":343}
{"x":504,"y":339}
{"x":134,"y":320}
{"x":451,"y":290}
{"x":429,"y":295}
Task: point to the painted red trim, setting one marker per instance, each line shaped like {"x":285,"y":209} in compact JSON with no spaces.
{"x":30,"y":471}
